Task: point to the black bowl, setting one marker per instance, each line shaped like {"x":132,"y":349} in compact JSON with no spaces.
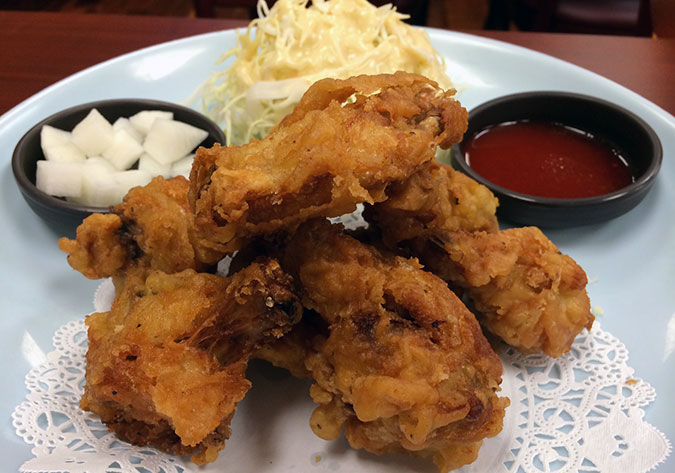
{"x":636,"y":141}
{"x":67,"y":215}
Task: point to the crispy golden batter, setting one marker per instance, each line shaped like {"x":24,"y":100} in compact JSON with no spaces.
{"x":398,"y":361}
{"x":166,"y":366}
{"x":152,"y":227}
{"x":526,"y":291}
{"x":344,"y":142}
{"x":98,"y":251}
{"x":293,"y":349}
{"x":434,"y":201}
{"x":405,"y":367}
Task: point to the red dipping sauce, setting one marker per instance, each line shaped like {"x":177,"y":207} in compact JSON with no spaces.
{"x":547,"y":160}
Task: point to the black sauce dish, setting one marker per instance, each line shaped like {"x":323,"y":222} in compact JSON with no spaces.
{"x":68,"y":215}
{"x":633,"y":137}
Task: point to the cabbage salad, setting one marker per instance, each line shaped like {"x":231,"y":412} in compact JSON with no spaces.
{"x":292,"y":45}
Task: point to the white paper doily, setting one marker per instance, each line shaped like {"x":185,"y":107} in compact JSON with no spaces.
{"x":580,"y":412}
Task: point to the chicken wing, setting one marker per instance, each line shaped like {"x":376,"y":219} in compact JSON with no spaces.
{"x":166,"y":366}
{"x":524,"y":290}
{"x":435,"y":201}
{"x":527,"y":292}
{"x":293,"y":349}
{"x":405,"y":366}
{"x":151,"y":228}
{"x":344,"y":142}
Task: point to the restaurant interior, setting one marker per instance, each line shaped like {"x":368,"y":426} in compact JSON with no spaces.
{"x":612,"y":17}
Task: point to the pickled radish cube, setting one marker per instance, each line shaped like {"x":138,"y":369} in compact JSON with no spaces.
{"x":99,"y":191}
{"x":151,"y":165}
{"x":93,"y":134}
{"x":51,"y":136}
{"x":124,"y":151}
{"x":183,"y":166}
{"x":59,"y":178}
{"x":99,"y":188}
{"x":169,"y":140}
{"x":66,"y":153}
{"x":57,"y":145}
{"x":123,"y":123}
{"x":127,"y":180}
{"x":143,"y":121}
{"x":99,"y":165}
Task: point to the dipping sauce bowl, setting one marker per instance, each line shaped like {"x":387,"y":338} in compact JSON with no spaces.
{"x":600,"y":163}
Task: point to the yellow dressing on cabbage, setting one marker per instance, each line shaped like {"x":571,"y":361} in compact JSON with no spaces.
{"x":290,"y":46}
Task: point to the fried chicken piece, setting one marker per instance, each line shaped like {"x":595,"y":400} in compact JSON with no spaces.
{"x":405,"y":366}
{"x":293,"y":349}
{"x":98,"y":251}
{"x":344,"y":142}
{"x":527,"y":292}
{"x":436,"y":200}
{"x":290,"y":351}
{"x":166,"y":366}
{"x":152,"y":227}
{"x":524,"y":290}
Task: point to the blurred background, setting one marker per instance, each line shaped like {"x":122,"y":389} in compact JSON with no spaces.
{"x":614,"y":17}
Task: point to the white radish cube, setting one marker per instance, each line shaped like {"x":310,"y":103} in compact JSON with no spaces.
{"x":93,"y":134}
{"x":99,"y":187}
{"x":59,"y":178}
{"x":143,"y":121}
{"x":169,"y":140}
{"x":57,"y":145}
{"x":182,"y":167}
{"x":100,"y":192}
{"x":66,"y":153}
{"x":50,"y":137}
{"x":124,"y":124}
{"x":155,"y":168}
{"x":124,"y":151}
{"x":99,"y":165}
{"x":127,"y":180}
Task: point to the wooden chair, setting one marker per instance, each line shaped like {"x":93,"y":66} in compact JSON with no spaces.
{"x":620,"y":17}
{"x":207,"y":8}
{"x":417,"y":9}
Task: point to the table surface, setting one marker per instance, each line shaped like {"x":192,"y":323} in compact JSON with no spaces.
{"x":39,"y":49}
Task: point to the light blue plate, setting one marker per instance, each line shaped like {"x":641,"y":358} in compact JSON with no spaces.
{"x":630,"y":259}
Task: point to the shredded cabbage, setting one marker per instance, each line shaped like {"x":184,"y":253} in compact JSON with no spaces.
{"x":290,"y":46}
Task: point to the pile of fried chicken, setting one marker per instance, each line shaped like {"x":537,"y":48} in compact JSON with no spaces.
{"x":377,"y":317}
